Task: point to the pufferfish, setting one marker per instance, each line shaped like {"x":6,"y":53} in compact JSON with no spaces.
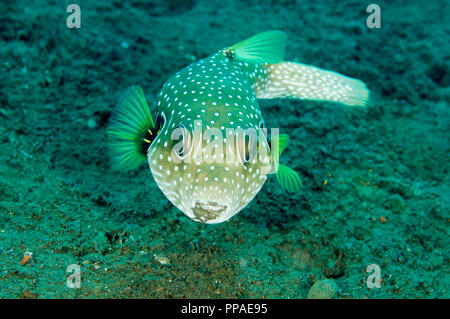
{"x":198,"y":149}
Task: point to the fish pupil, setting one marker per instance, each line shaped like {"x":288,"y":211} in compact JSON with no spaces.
{"x":247,"y":149}
{"x":181,"y":151}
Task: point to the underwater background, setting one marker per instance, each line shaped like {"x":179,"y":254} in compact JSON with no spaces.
{"x":376,"y":185}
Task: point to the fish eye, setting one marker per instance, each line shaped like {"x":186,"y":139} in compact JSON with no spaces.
{"x":184,"y":145}
{"x":247,"y":149}
{"x":152,"y":133}
{"x":261,"y":124}
{"x":249,"y":143}
{"x":262,"y":127}
{"x":160,"y":121}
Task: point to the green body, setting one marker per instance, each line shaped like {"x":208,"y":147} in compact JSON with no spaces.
{"x":198,"y":150}
{"x":218,"y":92}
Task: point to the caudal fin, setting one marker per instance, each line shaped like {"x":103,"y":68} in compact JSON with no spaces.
{"x":301,"y":81}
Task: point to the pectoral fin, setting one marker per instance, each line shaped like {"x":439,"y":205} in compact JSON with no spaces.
{"x":288,"y":178}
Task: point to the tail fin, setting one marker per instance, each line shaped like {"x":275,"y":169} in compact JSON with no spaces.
{"x":301,"y":81}
{"x":128,"y":129}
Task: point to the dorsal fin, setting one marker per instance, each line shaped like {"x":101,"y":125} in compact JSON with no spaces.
{"x":265,"y":47}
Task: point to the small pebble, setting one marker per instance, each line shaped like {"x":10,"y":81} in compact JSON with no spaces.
{"x":26,"y":258}
{"x":190,"y":57}
{"x":324,"y":289}
{"x":162,"y":259}
{"x":396,"y":203}
{"x":92,"y":123}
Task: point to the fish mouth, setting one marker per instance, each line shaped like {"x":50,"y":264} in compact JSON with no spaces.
{"x":207,"y":211}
